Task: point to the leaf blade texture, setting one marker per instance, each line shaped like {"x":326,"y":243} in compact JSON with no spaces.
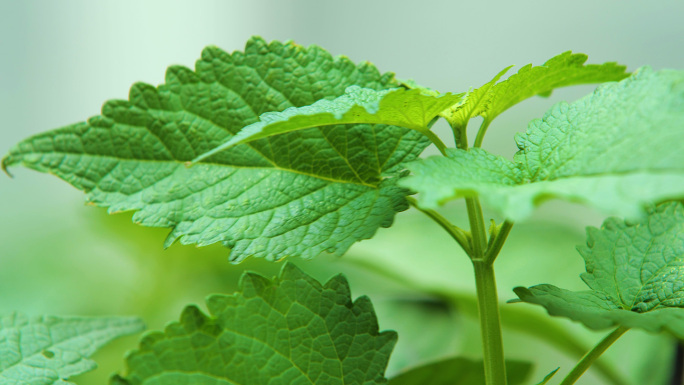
{"x":412,"y":109}
{"x":563,"y":70}
{"x":290,"y":330}
{"x":48,"y":350}
{"x":634,"y":272}
{"x":302,"y":193}
{"x":617,"y":150}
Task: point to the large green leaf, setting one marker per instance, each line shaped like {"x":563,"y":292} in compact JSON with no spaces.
{"x":564,"y":70}
{"x":459,"y":371}
{"x":617,"y":150}
{"x":634,"y":270}
{"x":399,"y":107}
{"x":290,"y":330}
{"x":48,"y":350}
{"x":301,"y":193}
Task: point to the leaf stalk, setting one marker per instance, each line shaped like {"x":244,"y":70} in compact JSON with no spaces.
{"x":461,"y":236}
{"x":592,"y":356}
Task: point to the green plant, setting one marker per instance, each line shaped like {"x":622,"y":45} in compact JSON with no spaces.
{"x":284,"y":151}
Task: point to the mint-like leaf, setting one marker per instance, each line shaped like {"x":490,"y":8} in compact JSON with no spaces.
{"x":459,"y":371}
{"x":48,"y":350}
{"x":301,"y":193}
{"x":634,"y":270}
{"x":290,"y":330}
{"x":564,"y":70}
{"x":617,"y":150}
{"x":399,"y":107}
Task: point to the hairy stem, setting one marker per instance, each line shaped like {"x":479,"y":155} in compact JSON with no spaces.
{"x":487,"y":298}
{"x":592,"y":356}
{"x":459,"y":235}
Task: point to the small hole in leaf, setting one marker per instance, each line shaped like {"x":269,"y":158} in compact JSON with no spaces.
{"x":48,"y":354}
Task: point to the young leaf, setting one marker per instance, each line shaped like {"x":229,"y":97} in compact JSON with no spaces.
{"x":301,"y":193}
{"x":290,"y":330}
{"x":399,"y":107}
{"x":634,"y":270}
{"x":548,"y":377}
{"x":564,"y":70}
{"x":617,"y":150}
{"x":459,"y":371}
{"x":48,"y":350}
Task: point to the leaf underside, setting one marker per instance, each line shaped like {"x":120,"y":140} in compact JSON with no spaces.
{"x":48,"y":350}
{"x":459,"y":371}
{"x":399,"y":107}
{"x":290,"y":330}
{"x":635,"y":271}
{"x":617,"y":149}
{"x":301,"y":193}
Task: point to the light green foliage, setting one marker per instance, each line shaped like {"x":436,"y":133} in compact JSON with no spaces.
{"x":563,"y":70}
{"x":634,"y":270}
{"x":617,"y":150}
{"x":399,"y":107}
{"x":302,"y":193}
{"x":548,"y":377}
{"x":459,"y":371}
{"x":48,"y":350}
{"x":290,"y":330}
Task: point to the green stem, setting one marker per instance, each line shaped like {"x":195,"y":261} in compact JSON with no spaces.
{"x":477,"y":228}
{"x":490,"y":323}
{"x":481,"y":132}
{"x":436,"y":140}
{"x":459,"y":235}
{"x":592,"y":356}
{"x":487,"y":298}
{"x":497,"y":244}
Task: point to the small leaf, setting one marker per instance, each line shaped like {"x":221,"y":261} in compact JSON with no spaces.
{"x":548,"y":377}
{"x":564,"y":70}
{"x":617,"y":150}
{"x":290,"y":330}
{"x":48,"y":350}
{"x":302,"y":193}
{"x":399,"y":107}
{"x":634,"y":270}
{"x":459,"y":371}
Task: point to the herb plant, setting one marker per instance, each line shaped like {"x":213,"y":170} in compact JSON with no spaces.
{"x":282,"y":151}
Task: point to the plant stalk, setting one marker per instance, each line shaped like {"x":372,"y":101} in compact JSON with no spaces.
{"x":481,"y":132}
{"x":487,"y":298}
{"x":459,"y":235}
{"x":490,"y":323}
{"x":592,"y":356}
{"x":497,"y":244}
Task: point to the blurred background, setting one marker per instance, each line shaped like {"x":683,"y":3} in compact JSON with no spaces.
{"x":60,"y":60}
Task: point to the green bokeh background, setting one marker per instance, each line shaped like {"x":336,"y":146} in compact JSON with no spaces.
{"x":60,"y":60}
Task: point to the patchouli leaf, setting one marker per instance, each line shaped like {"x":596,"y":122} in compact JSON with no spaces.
{"x":399,"y":107}
{"x":617,"y":150}
{"x":290,"y":330}
{"x":636,"y":274}
{"x":459,"y":371}
{"x":564,"y":70}
{"x":48,"y":350}
{"x":300,"y":193}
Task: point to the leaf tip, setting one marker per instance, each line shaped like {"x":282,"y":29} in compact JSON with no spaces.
{"x":4,"y":164}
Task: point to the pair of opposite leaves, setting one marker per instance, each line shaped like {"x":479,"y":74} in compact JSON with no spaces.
{"x":278,"y":188}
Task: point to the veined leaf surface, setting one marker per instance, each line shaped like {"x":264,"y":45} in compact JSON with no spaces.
{"x":617,"y":150}
{"x":301,"y":193}
{"x":48,"y":350}
{"x":291,"y":330}
{"x":634,"y":270}
{"x":563,"y":70}
{"x":399,"y":107}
